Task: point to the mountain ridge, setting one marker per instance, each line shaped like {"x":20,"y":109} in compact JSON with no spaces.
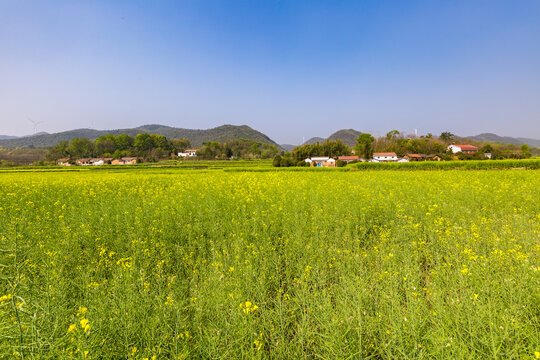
{"x":348,"y":136}
{"x":494,"y":138}
{"x":197,"y":137}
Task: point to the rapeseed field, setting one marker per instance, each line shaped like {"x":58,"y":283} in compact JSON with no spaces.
{"x":157,"y":264}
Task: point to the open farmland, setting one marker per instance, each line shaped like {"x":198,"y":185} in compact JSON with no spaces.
{"x":158,"y":263}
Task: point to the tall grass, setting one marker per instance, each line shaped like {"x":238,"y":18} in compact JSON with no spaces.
{"x":212,"y":264}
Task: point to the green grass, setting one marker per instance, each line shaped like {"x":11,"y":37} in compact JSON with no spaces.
{"x":181,"y":263}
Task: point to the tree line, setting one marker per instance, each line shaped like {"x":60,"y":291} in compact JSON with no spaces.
{"x":153,"y":147}
{"x":148,"y":146}
{"x":236,"y":149}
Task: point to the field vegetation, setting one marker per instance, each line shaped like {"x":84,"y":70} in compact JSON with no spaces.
{"x":163,"y":262}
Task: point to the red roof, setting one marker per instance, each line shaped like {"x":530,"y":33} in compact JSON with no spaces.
{"x":348,"y":158}
{"x":467,"y":147}
{"x":385,"y":154}
{"x":414,"y":156}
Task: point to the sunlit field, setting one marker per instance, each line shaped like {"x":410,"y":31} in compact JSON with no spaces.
{"x":174,"y":264}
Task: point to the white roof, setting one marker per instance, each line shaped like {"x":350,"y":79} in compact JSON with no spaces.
{"x":324,"y":158}
{"x":308,"y":160}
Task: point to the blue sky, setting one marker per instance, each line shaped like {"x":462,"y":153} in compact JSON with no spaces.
{"x":290,"y":69}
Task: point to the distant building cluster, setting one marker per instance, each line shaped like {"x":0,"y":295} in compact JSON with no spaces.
{"x":392,"y":157}
{"x":97,"y":161}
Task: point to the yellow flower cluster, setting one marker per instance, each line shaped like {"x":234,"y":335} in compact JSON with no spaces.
{"x":248,"y":307}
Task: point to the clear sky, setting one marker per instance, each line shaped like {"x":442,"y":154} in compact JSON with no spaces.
{"x":287,"y":68}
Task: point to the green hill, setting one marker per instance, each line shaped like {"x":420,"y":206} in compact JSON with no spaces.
{"x":197,"y":137}
{"x":348,"y":136}
{"x":493,"y":138}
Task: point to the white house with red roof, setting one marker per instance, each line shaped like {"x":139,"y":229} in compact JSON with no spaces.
{"x":465,"y":149}
{"x":385,"y":157}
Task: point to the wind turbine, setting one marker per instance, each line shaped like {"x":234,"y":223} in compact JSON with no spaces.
{"x":36,"y":123}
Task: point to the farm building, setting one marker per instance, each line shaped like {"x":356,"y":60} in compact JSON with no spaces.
{"x":385,"y":157}
{"x":422,"y":157}
{"x":433,"y":157}
{"x":321,"y":162}
{"x":125,"y":161}
{"x":415,"y":157}
{"x":465,"y":149}
{"x":93,"y":161}
{"x":83,"y":162}
{"x":63,"y":162}
{"x":101,"y":161}
{"x":348,"y":158}
{"x":188,"y":153}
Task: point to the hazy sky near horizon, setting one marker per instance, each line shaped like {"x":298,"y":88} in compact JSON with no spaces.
{"x":286,"y":68}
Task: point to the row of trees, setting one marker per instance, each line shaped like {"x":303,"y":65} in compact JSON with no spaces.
{"x":155,"y":147}
{"x":237,"y":149}
{"x":149,"y":146}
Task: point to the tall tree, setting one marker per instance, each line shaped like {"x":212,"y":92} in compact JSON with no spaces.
{"x":105,"y":145}
{"x":123,"y":142}
{"x":447,"y":136}
{"x":179,"y":145}
{"x":81,"y":148}
{"x":525,"y":151}
{"x":364,"y":146}
{"x":58,"y":151}
{"x":143,"y":142}
{"x":392,"y":134}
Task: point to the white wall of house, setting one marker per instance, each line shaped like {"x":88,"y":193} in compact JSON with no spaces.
{"x":455,"y":149}
{"x":188,"y":153}
{"x":385,"y":158}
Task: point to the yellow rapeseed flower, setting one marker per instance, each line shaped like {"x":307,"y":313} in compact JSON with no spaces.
{"x":248,"y":307}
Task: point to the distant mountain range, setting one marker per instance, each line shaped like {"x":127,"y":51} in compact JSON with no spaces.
{"x":197,"y":137}
{"x":221,"y":134}
{"x":493,"y":138}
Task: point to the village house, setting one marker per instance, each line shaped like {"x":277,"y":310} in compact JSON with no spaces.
{"x":385,"y":157}
{"x":465,"y":149}
{"x":100,"y":161}
{"x":63,"y":162}
{"x":83,"y":162}
{"x":124,"y":161}
{"x":415,"y":157}
{"x":348,"y":159}
{"x":422,"y":157}
{"x":487,"y":155}
{"x":93,"y":161}
{"x":433,"y":157}
{"x":322,"y":161}
{"x":188,"y":153}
